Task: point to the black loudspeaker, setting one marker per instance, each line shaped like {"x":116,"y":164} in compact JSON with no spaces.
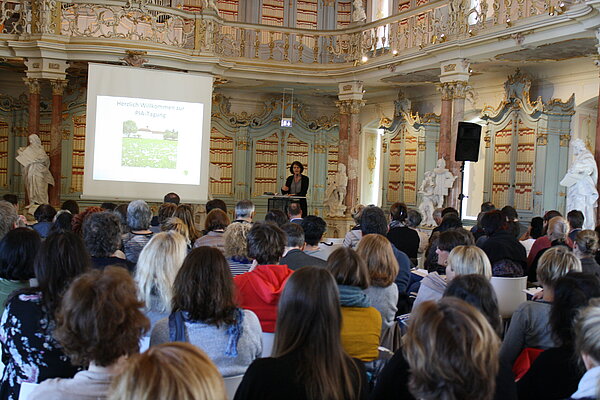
{"x":467,"y":142}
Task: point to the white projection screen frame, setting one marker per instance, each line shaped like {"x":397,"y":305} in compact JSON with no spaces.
{"x":171,"y":117}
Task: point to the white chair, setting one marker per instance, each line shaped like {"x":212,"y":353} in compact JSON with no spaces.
{"x":144,"y":343}
{"x":231,"y":385}
{"x":510,"y":293}
{"x":267,"y":339}
{"x":26,"y":389}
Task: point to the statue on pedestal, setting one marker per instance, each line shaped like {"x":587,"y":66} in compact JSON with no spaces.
{"x":336,"y":192}
{"x":359,"y":14}
{"x":581,"y":180}
{"x":434,"y":188}
{"x":37,"y":176}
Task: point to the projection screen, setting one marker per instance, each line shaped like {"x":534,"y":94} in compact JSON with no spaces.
{"x":147,"y":134}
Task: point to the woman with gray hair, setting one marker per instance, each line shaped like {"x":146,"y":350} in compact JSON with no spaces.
{"x":138,"y":219}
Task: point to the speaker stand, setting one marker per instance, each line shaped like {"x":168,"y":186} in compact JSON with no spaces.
{"x":461,"y":196}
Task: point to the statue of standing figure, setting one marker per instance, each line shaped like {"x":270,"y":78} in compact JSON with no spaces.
{"x":359,"y":14}
{"x":37,"y":176}
{"x":336,"y":192}
{"x":581,"y":180}
{"x":434,"y":188}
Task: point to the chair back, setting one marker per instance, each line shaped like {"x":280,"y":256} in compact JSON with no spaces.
{"x":26,"y":389}
{"x":268,"y":339}
{"x":231,"y":385}
{"x":510,"y":293}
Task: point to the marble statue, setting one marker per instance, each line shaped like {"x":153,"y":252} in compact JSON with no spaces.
{"x":37,"y":176}
{"x":358,"y":15}
{"x":434,"y":188}
{"x":336,"y":192}
{"x":581,"y":180}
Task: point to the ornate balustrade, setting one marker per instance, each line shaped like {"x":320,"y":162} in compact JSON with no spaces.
{"x":433,"y":23}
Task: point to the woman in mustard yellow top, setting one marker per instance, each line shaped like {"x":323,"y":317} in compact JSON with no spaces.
{"x":361,"y":323}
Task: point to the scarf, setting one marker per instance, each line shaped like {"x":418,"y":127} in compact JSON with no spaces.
{"x":353,"y":296}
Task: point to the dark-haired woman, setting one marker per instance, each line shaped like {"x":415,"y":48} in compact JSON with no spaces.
{"x":308,"y":360}
{"x":44,"y":216}
{"x":29,"y":349}
{"x":401,"y":236}
{"x":17,"y":253}
{"x":297,"y":185}
{"x":99,"y":324}
{"x":205,"y":314}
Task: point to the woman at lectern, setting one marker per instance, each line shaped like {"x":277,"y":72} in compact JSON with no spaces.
{"x":297,"y":185}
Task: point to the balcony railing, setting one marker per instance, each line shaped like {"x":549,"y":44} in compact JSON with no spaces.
{"x":204,"y":33}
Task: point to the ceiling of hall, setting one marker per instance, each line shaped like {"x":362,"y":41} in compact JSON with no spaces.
{"x":426,"y":76}
{"x":554,"y":51}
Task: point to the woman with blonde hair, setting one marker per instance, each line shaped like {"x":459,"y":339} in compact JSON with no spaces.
{"x":171,"y":371}
{"x":452,"y":352}
{"x":587,"y":344}
{"x":235,"y":246}
{"x":462,"y":260}
{"x":585,"y":247}
{"x":177,"y":225}
{"x":529,"y":325}
{"x":184,"y":212}
{"x":376,"y":251}
{"x":156,"y":269}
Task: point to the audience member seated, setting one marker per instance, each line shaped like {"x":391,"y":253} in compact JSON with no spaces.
{"x":314,"y":227}
{"x":556,"y":372}
{"x":30,"y":352}
{"x":77,"y":220}
{"x":175,"y":224}
{"x":71,"y":206}
{"x":170,"y":371}
{"x":376,"y":251}
{"x":512,"y":221}
{"x":206,"y":315}
{"x":477,"y":230}
{"x":121,"y":212}
{"x":373,"y":221}
{"x":437,"y":216}
{"x":98,"y":324}
{"x":587,"y":345}
{"x":138,"y":220}
{"x":8,"y":218}
{"x":235,"y":246}
{"x":276,"y":217}
{"x":361,"y":323}
{"x":63,"y":222}
{"x":575,"y":219}
{"x":244,"y":211}
{"x":462,"y":260}
{"x":172,"y":198}
{"x":535,"y":231}
{"x":451,"y":351}
{"x":308,"y":360}
{"x":557,"y":234}
{"x":585,"y":246}
{"x":215,"y":203}
{"x":156,"y":270}
{"x":169,"y":198}
{"x":102,"y":237}
{"x":400,"y":235}
{"x":353,"y":236}
{"x":294,"y":257}
{"x":543,"y":242}
{"x":17,"y":254}
{"x":413,"y":220}
{"x":506,"y":254}
{"x":44,"y":215}
{"x":108,"y":206}
{"x":259,"y":290}
{"x":529,"y":325}
{"x":392,"y":382}
{"x":215,"y":225}
{"x":184,"y":212}
{"x":450,"y":220}
{"x":295,"y":212}
{"x":165,"y":211}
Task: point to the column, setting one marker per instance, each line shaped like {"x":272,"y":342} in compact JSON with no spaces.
{"x":458,"y":114}
{"x":34,"y":105}
{"x":58,"y":86}
{"x":350,"y":103}
{"x":445,"y":121}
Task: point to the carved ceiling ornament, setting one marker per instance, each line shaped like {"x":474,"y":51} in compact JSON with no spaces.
{"x":135,"y":58}
{"x":33,"y":85}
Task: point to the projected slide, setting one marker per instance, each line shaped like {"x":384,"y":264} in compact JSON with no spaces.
{"x":143,"y":140}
